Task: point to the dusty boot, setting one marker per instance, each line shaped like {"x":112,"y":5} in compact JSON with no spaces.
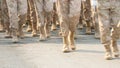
{"x":53,"y":27}
{"x":14,"y":35}
{"x":108,"y":55}
{"x":71,"y":40}
{"x":47,"y":33}
{"x":42,"y":37}
{"x":66,"y":45}
{"x":29,"y":29}
{"x":115,"y":48}
{"x":97,"y":32}
{"x":88,"y":30}
{"x":42,"y":34}
{"x":34,"y":33}
{"x":73,"y":47}
{"x":66,"y":49}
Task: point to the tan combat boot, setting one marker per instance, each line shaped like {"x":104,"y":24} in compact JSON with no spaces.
{"x":66,"y":44}
{"x":42,"y":37}
{"x":71,"y":40}
{"x":73,"y":47}
{"x":115,"y":48}
{"x":66,"y":49}
{"x":53,"y":27}
{"x":108,"y":55}
{"x":88,"y":30}
{"x":29,"y":28}
{"x":14,"y":35}
{"x":34,"y":33}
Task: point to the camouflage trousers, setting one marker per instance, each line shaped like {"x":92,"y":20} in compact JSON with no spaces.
{"x":68,"y":15}
{"x":4,"y":16}
{"x":17,"y":10}
{"x":32,"y":16}
{"x":109,"y":17}
{"x":44,"y":9}
{"x":43,"y":6}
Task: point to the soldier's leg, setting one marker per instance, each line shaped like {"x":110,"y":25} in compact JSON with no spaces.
{"x":41,"y":18}
{"x":22,"y":20}
{"x":96,"y":22}
{"x":73,"y":24}
{"x":88,"y":16}
{"x":105,"y":32}
{"x":88,"y":27}
{"x":29,"y":27}
{"x":65,"y":44}
{"x":115,"y":48}
{"x":71,"y":40}
{"x":115,"y":36}
{"x":80,"y":25}
{"x":22,"y":15}
{"x":33,"y":17}
{"x":54,"y":17}
{"x":48,"y":15}
{"x":47,"y":22}
{"x":42,"y":32}
{"x":5,"y":18}
{"x":64,"y":23}
{"x":97,"y":32}
{"x":65,"y":35}
{"x":12,"y":9}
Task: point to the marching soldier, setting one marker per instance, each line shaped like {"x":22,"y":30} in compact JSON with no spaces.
{"x":17,"y":10}
{"x":69,"y":13}
{"x":109,"y":17}
{"x":88,"y":16}
{"x":32,"y":16}
{"x":44,"y":9}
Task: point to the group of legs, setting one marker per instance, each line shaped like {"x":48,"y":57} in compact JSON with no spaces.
{"x":39,"y":12}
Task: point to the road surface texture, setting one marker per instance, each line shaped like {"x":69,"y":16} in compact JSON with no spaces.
{"x":31,"y":53}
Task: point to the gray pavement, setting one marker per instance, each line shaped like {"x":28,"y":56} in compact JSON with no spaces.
{"x":30,"y":53}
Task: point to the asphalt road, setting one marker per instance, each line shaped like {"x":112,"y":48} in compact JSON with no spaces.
{"x":30,"y":53}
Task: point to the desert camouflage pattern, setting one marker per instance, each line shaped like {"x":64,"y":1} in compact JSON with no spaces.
{"x":68,"y":14}
{"x":44,"y":10}
{"x":69,"y":18}
{"x":15,"y":9}
{"x":32,"y":17}
{"x":109,"y":17}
